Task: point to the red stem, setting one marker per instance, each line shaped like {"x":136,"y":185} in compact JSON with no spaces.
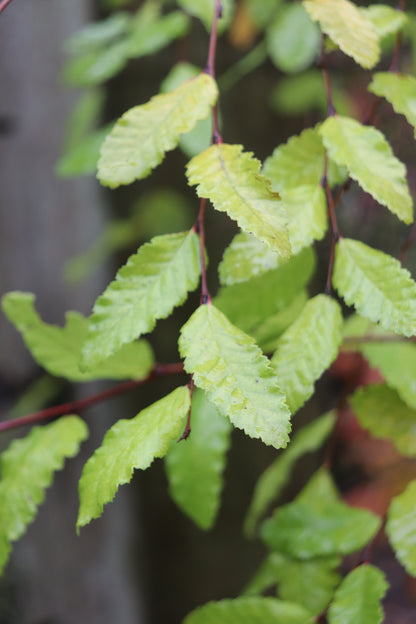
{"x":4,"y":4}
{"x":210,"y":68}
{"x":187,"y":431}
{"x":334,"y":226}
{"x":74,"y":407}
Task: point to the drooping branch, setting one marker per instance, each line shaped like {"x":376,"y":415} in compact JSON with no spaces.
{"x":75,"y":407}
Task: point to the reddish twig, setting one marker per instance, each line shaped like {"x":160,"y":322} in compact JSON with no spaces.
{"x":4,"y":4}
{"x":187,"y":431}
{"x":334,"y":226}
{"x":75,"y":407}
{"x":210,"y":68}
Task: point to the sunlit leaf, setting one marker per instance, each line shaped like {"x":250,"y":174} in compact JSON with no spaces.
{"x":370,"y":161}
{"x":399,"y":90}
{"x":376,"y":285}
{"x":306,"y":211}
{"x":27,"y":469}
{"x":351,"y":30}
{"x":358,"y":598}
{"x":386,"y":20}
{"x":380,"y":410}
{"x":245,"y":257}
{"x":317,"y":525}
{"x":293,"y":40}
{"x":249,"y":610}
{"x":58,"y":349}
{"x":128,"y":445}
{"x":401,"y":527}
{"x":154,"y":281}
{"x":143,"y":134}
{"x":273,"y":479}
{"x":195,"y":467}
{"x":236,"y":376}
{"x":230,"y":179}
{"x":307,"y":348}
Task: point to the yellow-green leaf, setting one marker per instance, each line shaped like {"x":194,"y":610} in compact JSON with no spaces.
{"x":401,"y":527}
{"x":399,"y":90}
{"x":358,"y":598}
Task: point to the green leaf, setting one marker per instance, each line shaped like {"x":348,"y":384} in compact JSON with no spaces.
{"x":307,"y":348}
{"x":204,"y":10}
{"x":307,"y":583}
{"x":275,"y":290}
{"x":237,"y":378}
{"x":316,"y":525}
{"x":149,"y":31}
{"x":352,"y":31}
{"x":358,"y":598}
{"x":262,"y":12}
{"x":249,"y":610}
{"x":96,"y":66}
{"x":396,"y":361}
{"x":27,"y":468}
{"x":245,"y":257}
{"x":268,"y":332}
{"x":378,"y":287}
{"x":399,"y":90}
{"x":130,"y":444}
{"x":370,"y":161}
{"x":306,"y":211}
{"x":98,"y":34}
{"x":154,"y":281}
{"x":300,"y":162}
{"x":274,"y":478}
{"x":143,"y":134}
{"x":380,"y":410}
{"x":58,"y":349}
{"x":293,"y":40}
{"x":83,"y":118}
{"x":385,"y":19}
{"x":230,"y":179}
{"x":195,"y":467}
{"x":82,"y":159}
{"x":401,"y":527}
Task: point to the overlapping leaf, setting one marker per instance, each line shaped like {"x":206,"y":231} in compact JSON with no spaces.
{"x":130,"y":444}
{"x":275,"y":290}
{"x":401,"y":527}
{"x":351,"y":30}
{"x":307,"y":348}
{"x":269,"y":331}
{"x":230,"y":179}
{"x":397,"y":363}
{"x":305,"y":208}
{"x":195,"y":468}
{"x":237,"y":378}
{"x":376,"y":285}
{"x":358,"y":598}
{"x":380,"y":410}
{"x":27,"y":468}
{"x":370,"y":161}
{"x":385,"y":19}
{"x":249,"y":610}
{"x":273,"y":479}
{"x":154,"y":280}
{"x":204,"y":10}
{"x":318,"y":525}
{"x":58,"y":349}
{"x":245,"y":257}
{"x":399,"y":90}
{"x":143,"y":134}
{"x":308,"y":583}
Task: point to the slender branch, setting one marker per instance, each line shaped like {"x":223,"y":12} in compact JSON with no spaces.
{"x":187,"y":431}
{"x":334,"y":226}
{"x":210,"y":68}
{"x":75,"y":407}
{"x":4,"y":4}
{"x":205,"y":296}
{"x":244,"y":66}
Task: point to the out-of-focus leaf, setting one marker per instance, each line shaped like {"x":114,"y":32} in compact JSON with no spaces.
{"x":358,"y":598}
{"x":249,"y":610}
{"x":399,"y":90}
{"x":401,"y":527}
{"x":386,"y":20}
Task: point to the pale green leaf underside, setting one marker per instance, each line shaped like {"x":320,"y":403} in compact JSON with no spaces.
{"x":318,"y":525}
{"x":370,"y":161}
{"x":397,"y":363}
{"x":399,"y":90}
{"x":386,"y":20}
{"x":237,"y":378}
{"x":128,"y":445}
{"x":308,"y":583}
{"x":352,"y":31}
{"x":273,"y":479}
{"x":153,"y":282}
{"x":230,"y":179}
{"x":249,"y":610}
{"x":195,"y":467}
{"x":307,"y":348}
{"x":141,"y":136}
{"x":401,"y":527}
{"x":58,"y":349}
{"x":380,"y":410}
{"x":376,"y":285}
{"x":300,"y":162}
{"x":358,"y":598}
{"x":27,"y":468}
{"x":275,"y":290}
